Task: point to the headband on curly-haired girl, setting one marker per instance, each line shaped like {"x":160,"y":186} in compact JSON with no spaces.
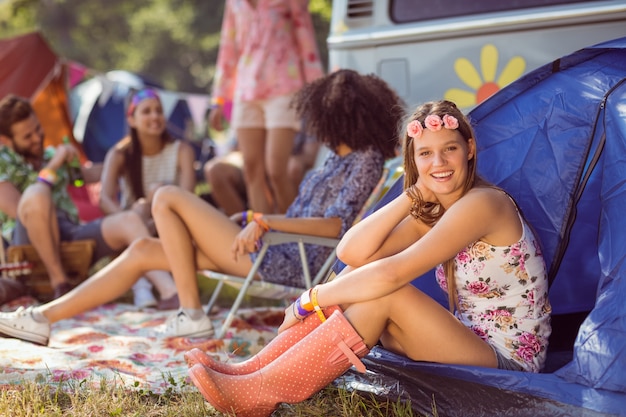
{"x":433,"y":123}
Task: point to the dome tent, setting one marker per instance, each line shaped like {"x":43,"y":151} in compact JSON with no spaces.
{"x":98,"y":107}
{"x":556,"y":140}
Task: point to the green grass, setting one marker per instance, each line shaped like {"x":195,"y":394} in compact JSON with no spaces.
{"x":83,"y":399}
{"x":110,"y":398}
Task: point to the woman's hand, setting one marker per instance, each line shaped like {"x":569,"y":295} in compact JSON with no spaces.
{"x":237,"y":217}
{"x":246,"y":240}
{"x":289,"y":319}
{"x":216,"y":118}
{"x":142,"y":207}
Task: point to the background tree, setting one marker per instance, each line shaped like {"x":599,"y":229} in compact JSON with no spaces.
{"x":171,"y":42}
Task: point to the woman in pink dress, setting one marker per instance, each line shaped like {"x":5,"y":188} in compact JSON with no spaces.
{"x":267,"y":53}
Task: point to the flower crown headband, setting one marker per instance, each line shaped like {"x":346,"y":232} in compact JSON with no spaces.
{"x":433,"y":123}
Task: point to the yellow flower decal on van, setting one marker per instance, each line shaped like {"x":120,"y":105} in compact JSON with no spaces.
{"x":483,"y":87}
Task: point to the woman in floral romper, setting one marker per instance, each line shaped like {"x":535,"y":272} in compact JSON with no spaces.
{"x":497,"y":280}
{"x":489,"y":260}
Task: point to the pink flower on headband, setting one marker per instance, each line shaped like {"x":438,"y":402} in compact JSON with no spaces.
{"x":433,"y":122}
{"x":414,"y":129}
{"x":450,"y":122}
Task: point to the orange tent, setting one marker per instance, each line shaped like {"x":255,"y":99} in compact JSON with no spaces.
{"x":29,"y":68}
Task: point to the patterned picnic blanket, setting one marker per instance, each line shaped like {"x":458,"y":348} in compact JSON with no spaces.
{"x":118,"y":343}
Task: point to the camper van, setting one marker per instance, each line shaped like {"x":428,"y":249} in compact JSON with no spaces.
{"x":460,"y":50}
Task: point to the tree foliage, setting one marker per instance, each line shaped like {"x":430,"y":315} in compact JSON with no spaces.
{"x":171,"y":42}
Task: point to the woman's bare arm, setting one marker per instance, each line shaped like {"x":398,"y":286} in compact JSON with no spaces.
{"x":476,"y":215}
{"x":111,"y":171}
{"x":186,"y":172}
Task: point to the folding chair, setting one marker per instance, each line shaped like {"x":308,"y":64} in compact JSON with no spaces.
{"x":249,"y":286}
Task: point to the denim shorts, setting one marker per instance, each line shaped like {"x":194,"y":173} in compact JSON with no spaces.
{"x":70,"y":231}
{"x":507,"y":363}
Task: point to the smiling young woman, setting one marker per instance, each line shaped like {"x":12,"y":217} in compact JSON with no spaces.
{"x":485,"y":255}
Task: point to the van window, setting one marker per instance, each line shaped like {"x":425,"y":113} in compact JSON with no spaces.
{"x":403,"y":11}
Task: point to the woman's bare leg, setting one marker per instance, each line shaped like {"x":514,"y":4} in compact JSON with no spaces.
{"x":278,"y":150}
{"x":119,"y":230}
{"x":187,"y":224}
{"x":110,"y":282}
{"x":411,"y":323}
{"x":252,"y":145}
{"x":163,"y":282}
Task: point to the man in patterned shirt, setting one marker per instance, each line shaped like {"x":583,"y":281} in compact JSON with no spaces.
{"x":35,"y":206}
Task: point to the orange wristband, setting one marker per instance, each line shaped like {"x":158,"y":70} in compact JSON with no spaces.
{"x":47,"y":176}
{"x":258,"y":219}
{"x":217,"y":102}
{"x":316,"y":306}
{"x":305,"y":301}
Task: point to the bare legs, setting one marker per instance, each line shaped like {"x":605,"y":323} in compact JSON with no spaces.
{"x":252,"y":145}
{"x":120,"y":230}
{"x":265,"y":158}
{"x":278,"y":151}
{"x":110,"y":282}
{"x":411,"y":323}
{"x":194,"y":235}
{"x":212,"y":233}
{"x":38,"y":215}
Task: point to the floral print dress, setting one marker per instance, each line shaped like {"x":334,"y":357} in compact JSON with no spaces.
{"x":503,"y":297}
{"x":266,"y":51}
{"x":337,"y":189}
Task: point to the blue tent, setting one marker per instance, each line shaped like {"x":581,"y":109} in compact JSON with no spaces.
{"x":556,"y":140}
{"x":99,"y":111}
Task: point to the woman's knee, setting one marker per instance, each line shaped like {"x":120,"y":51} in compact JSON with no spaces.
{"x":277,"y":165}
{"x":165,"y":198}
{"x":130,"y":218}
{"x":277,"y":175}
{"x":143,"y":247}
{"x":120,"y":229}
{"x":253,"y":168}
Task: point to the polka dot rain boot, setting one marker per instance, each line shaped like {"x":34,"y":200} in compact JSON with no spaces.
{"x":301,"y":371}
{"x":283,"y":341}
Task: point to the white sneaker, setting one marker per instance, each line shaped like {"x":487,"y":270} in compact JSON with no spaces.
{"x":20,"y":324}
{"x":142,"y":294}
{"x":181,"y":325}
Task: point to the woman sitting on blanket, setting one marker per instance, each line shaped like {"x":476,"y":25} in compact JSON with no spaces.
{"x":147,"y":158}
{"x":487,"y":258}
{"x":355,"y":115}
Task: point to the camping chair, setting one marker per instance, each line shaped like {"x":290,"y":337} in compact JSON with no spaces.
{"x":249,"y":286}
